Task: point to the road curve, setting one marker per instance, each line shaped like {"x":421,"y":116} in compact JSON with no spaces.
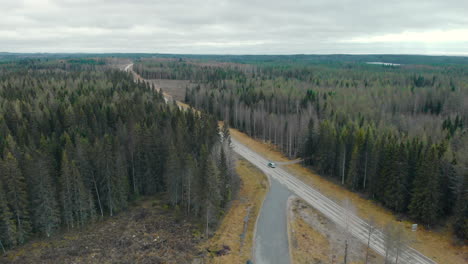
{"x":329,"y":208}
{"x":127,"y":68}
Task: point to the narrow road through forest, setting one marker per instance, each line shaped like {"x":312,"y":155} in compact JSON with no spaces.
{"x":356,"y":226}
{"x":326,"y":206}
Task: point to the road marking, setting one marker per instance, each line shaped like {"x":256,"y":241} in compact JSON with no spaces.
{"x":329,"y":208}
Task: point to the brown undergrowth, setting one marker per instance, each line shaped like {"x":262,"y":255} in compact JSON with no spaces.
{"x":148,"y":232}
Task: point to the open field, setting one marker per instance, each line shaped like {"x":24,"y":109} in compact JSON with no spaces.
{"x":238,"y":225}
{"x":437,"y":245}
{"x":148,"y":232}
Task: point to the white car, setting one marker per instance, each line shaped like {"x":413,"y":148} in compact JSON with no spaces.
{"x":271,"y":165}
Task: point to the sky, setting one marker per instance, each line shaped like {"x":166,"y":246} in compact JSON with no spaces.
{"x":236,"y":27}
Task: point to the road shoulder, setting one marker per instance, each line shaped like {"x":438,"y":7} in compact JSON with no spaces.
{"x":237,"y":229}
{"x":436,"y":244}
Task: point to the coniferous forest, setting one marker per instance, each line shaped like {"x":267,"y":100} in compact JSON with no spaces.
{"x":394,"y":133}
{"x":79,"y":141}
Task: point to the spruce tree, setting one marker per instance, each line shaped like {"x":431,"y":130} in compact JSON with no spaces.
{"x":461,"y":211}
{"x":424,"y":205}
{"x":66,"y":191}
{"x":16,"y":196}
{"x":7,"y":224}
{"x":172,"y":175}
{"x":213,"y":193}
{"x":225,"y":179}
{"x":395,"y":191}
{"x":45,"y":210}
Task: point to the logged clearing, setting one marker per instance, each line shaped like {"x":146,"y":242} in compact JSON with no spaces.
{"x":173,"y":90}
{"x":438,"y":245}
{"x":151,"y":232}
{"x":315,"y":239}
{"x":148,"y":232}
{"x":176,"y":88}
{"x":236,"y":231}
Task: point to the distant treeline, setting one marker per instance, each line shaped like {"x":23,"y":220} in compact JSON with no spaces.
{"x":396,"y":134}
{"x":79,"y":141}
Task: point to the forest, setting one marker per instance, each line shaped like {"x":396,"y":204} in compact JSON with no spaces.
{"x":80,"y":140}
{"x":395,"y":134}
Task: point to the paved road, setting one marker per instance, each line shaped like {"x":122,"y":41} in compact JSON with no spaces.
{"x":329,"y":208}
{"x":271,"y":237}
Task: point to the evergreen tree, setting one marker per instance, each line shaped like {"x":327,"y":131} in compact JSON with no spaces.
{"x":66,"y":191}
{"x":461,"y":212}
{"x":16,"y":196}
{"x":395,"y":192}
{"x":7,"y":226}
{"x":225,"y":179}
{"x":213,"y":193}
{"x":353,"y":171}
{"x":424,"y":205}
{"x":45,"y":210}
{"x":172,"y":176}
{"x":189,"y":176}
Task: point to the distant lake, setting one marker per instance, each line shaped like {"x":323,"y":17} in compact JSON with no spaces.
{"x":384,"y":63}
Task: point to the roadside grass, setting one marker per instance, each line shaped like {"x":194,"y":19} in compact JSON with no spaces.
{"x":316,"y":239}
{"x":305,"y":243}
{"x":254,"y":186}
{"x":436,"y":244}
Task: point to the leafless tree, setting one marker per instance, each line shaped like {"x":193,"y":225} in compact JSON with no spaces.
{"x":347,"y":214}
{"x":370,"y":230}
{"x":396,"y":240}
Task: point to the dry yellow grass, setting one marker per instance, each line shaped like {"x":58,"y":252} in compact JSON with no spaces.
{"x":254,"y":187}
{"x":305,"y":243}
{"x":322,"y":243}
{"x":436,"y":245}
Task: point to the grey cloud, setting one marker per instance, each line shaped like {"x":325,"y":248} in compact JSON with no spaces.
{"x":255,"y":26}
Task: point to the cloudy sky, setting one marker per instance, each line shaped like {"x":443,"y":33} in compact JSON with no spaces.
{"x":236,"y":26}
